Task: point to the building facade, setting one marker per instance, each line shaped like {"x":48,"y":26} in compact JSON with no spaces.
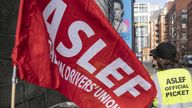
{"x":162,"y":24}
{"x":177,"y":24}
{"x":189,"y":28}
{"x":161,"y":28}
{"x":142,"y":14}
{"x":171,"y":24}
{"x":153,"y":34}
{"x":141,"y":20}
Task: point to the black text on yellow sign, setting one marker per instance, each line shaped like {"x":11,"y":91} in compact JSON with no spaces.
{"x":176,"y":87}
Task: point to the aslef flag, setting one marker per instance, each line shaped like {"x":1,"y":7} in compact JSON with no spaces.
{"x":69,"y":46}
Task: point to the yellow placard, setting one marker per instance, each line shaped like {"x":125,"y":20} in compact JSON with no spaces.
{"x":176,"y":86}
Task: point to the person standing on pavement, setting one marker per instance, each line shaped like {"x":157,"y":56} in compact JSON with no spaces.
{"x":173,"y":83}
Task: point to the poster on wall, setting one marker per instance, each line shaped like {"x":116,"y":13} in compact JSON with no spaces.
{"x":122,"y":19}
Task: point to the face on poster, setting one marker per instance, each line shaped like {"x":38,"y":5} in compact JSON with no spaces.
{"x":122,"y":19}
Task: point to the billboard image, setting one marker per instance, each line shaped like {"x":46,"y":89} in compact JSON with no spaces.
{"x":122,"y":19}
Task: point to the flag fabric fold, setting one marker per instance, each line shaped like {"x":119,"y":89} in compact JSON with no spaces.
{"x":69,"y":46}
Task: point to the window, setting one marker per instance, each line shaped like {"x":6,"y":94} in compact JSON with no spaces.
{"x":136,"y":10}
{"x":184,"y":35}
{"x":184,"y":25}
{"x":144,"y":30}
{"x":184,"y":16}
{"x":136,"y":19}
{"x":144,"y":9}
{"x":144,"y":19}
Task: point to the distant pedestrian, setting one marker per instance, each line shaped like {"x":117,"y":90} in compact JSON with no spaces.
{"x":173,"y":83}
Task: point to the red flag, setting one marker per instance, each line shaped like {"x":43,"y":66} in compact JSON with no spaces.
{"x":69,"y":46}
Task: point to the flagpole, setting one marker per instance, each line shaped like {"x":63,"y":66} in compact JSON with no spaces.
{"x":14,"y":79}
{"x":14,"y":82}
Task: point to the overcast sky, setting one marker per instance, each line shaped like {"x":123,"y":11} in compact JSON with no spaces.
{"x":160,"y":2}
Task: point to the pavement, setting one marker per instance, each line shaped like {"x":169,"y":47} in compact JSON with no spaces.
{"x":148,"y":67}
{"x":64,"y":105}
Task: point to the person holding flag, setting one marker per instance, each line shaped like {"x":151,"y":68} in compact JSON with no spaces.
{"x":66,"y":46}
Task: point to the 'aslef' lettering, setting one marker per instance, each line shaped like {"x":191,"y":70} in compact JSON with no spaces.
{"x":73,"y":32}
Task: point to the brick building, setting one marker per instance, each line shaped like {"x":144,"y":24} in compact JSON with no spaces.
{"x":189,"y":28}
{"x":158,"y":26}
{"x":153,"y":34}
{"x":162,"y":24}
{"x":166,"y":21}
{"x":177,"y":21}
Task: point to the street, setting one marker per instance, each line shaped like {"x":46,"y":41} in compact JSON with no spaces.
{"x":148,"y":67}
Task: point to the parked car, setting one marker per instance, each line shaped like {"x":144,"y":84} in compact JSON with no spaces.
{"x":187,"y":60}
